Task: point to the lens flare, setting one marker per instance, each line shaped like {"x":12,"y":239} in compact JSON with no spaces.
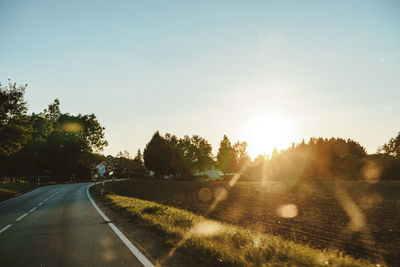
{"x":288,"y":211}
{"x":206,"y":228}
{"x":371,"y":172}
{"x":72,"y":127}
{"x":205,"y":194}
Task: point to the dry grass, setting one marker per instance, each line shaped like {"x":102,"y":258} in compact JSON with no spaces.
{"x":357,"y":218}
{"x":214,"y":243}
{"x":10,"y":188}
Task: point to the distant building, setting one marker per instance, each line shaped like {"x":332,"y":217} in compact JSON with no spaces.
{"x":211,"y":173}
{"x":101,"y":169}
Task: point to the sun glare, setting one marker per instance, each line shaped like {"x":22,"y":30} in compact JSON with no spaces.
{"x":263,"y":134}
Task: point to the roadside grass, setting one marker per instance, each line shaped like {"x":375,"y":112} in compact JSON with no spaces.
{"x":10,"y":188}
{"x":321,"y":221}
{"x":214,"y":243}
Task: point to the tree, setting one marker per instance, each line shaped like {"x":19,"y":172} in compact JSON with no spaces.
{"x":196,"y":153}
{"x":124,"y":154}
{"x":162,"y":156}
{"x":203,"y":158}
{"x":85,"y":127}
{"x":128,"y":167}
{"x":241,"y":157}
{"x":156,"y":155}
{"x":139,"y":158}
{"x":392,"y":147}
{"x":15,"y":127}
{"x":60,"y":145}
{"x":224,"y":156}
{"x":139,"y":170}
{"x":187,"y":152}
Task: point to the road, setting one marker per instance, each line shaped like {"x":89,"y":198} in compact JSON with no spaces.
{"x":58,"y":226}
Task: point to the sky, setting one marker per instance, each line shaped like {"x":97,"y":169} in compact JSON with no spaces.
{"x":266,"y":72}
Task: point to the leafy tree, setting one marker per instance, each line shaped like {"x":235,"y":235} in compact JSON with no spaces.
{"x":85,"y":127}
{"x":187,"y":152}
{"x":15,"y":127}
{"x":156,"y":155}
{"x":139,"y":158}
{"x":224,"y":156}
{"x":203,"y":158}
{"x":162,"y":156}
{"x":241,"y":157}
{"x":61,"y":145}
{"x":392,"y":147}
{"x":124,"y":154}
{"x":196,"y":153}
{"x":128,"y":167}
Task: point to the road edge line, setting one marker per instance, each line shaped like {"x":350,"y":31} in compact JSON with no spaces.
{"x":135,"y":251}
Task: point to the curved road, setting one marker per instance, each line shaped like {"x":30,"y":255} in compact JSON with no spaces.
{"x":58,"y":226}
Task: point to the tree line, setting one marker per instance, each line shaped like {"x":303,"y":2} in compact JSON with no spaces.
{"x":186,"y":157}
{"x":47,"y":144}
{"x":61,"y":146}
{"x":318,"y":159}
{"x":324,"y":159}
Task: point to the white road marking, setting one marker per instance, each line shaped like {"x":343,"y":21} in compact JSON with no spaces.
{"x":40,"y":204}
{"x":121,"y":236}
{"x":32,"y":209}
{"x":5,"y":228}
{"x":20,"y":217}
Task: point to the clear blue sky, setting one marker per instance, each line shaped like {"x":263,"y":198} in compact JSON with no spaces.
{"x":314,"y":68}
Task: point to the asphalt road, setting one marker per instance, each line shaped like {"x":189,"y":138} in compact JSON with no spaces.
{"x":58,"y":226}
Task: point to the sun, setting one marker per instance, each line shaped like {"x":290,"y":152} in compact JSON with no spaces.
{"x":265,"y":133}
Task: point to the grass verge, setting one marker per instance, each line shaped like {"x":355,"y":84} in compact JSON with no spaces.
{"x":9,"y":189}
{"x":214,"y":243}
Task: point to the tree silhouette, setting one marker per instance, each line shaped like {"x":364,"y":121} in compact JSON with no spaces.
{"x":15,"y":127}
{"x":392,"y":147}
{"x":157,"y":155}
{"x":224,"y":157}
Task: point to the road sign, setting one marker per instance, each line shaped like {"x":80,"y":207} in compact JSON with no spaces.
{"x":109,"y":159}
{"x":109,"y":168}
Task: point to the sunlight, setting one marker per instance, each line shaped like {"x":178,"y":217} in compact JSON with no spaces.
{"x":263,"y":134}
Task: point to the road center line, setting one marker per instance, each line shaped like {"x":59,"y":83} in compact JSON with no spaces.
{"x":32,"y":209}
{"x":20,"y":217}
{"x":5,"y":228}
{"x":135,"y":251}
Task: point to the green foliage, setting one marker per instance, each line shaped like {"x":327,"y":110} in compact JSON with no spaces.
{"x":318,"y":159}
{"x":224,"y":156}
{"x":241,"y":158}
{"x":196,"y":153}
{"x":392,"y":147}
{"x":232,"y":159}
{"x":53,"y":144}
{"x":128,"y":167}
{"x":156,"y":155}
{"x":15,"y":127}
{"x":178,"y":158}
